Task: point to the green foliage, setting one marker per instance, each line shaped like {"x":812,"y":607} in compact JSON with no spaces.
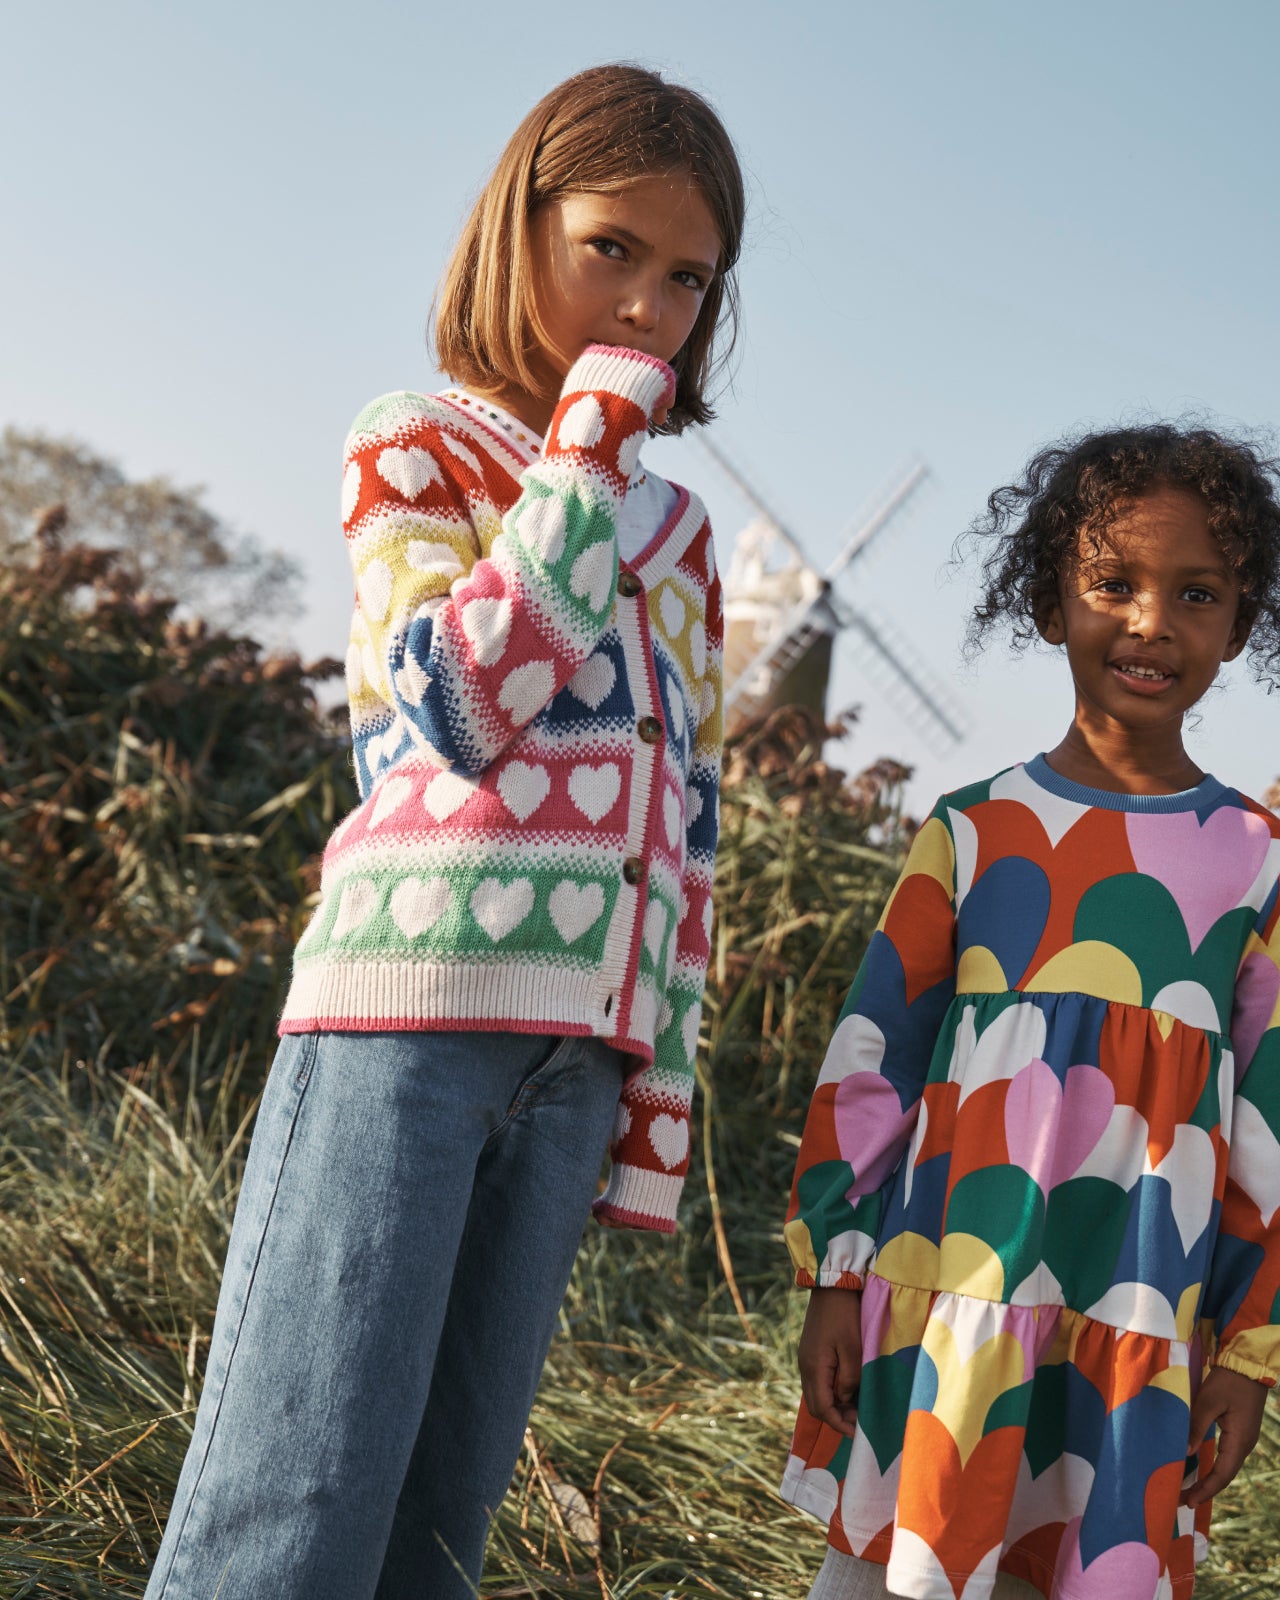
{"x":163,"y":789}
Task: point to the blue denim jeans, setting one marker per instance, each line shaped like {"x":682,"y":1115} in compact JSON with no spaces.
{"x":410,"y":1211}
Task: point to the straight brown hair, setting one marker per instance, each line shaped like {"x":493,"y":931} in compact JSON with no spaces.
{"x":595,"y":132}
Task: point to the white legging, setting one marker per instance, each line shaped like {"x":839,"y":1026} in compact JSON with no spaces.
{"x":843,"y":1577}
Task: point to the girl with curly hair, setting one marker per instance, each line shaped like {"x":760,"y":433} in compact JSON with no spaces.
{"x":1037,"y":1201}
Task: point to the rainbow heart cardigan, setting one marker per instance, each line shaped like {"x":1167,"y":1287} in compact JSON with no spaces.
{"x":537,"y":733}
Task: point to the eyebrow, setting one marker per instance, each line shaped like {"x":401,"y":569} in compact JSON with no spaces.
{"x":1102,"y":561}
{"x":634,"y":238}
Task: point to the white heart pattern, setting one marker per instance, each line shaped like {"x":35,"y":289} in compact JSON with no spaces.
{"x":591,"y":577}
{"x":677,"y":707}
{"x":698,"y":649}
{"x":523,"y":788}
{"x":411,"y":680}
{"x":692,"y":804}
{"x":655,"y":928}
{"x":708,"y":915}
{"x":689,"y":1028}
{"x":487,"y":623}
{"x":670,"y":1139}
{"x":374,"y":585}
{"x":575,"y":908}
{"x":350,"y":490}
{"x":671,"y":815}
{"x":445,"y":794}
{"x":593,"y":680}
{"x":526,"y":689}
{"x":425,"y":556}
{"x":582,"y":424}
{"x":499,"y":907}
{"x":542,"y":527}
{"x":708,"y":699}
{"x":672,"y":610}
{"x":594,"y":790}
{"x":408,"y":471}
{"x":457,"y":449}
{"x":359,"y":897}
{"x":372,"y":667}
{"x":355,"y":675}
{"x":629,"y":452}
{"x":391,"y":796}
{"x":418,"y":904}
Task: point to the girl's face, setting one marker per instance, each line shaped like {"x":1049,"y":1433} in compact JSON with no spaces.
{"x":1148,"y":619}
{"x":630,"y":267}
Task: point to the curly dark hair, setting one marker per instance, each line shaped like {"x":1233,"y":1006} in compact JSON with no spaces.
{"x":1071,"y":492}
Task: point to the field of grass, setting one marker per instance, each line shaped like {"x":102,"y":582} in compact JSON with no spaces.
{"x":163,"y":793}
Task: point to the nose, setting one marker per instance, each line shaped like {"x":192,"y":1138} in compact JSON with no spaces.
{"x":641,"y":307}
{"x":1150,"y":617}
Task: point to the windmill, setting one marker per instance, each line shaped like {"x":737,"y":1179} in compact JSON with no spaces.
{"x":781,"y":622}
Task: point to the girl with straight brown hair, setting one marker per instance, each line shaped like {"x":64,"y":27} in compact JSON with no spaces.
{"x":504,"y":974}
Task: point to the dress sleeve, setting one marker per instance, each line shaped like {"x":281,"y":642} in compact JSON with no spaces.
{"x":643,"y":1187}
{"x":1243,"y":1293}
{"x":463,"y":649}
{"x":867,"y":1099}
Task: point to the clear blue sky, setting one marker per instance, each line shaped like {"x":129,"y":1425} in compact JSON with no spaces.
{"x":973,"y":228}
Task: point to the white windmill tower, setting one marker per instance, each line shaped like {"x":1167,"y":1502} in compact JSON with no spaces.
{"x":781,"y":623}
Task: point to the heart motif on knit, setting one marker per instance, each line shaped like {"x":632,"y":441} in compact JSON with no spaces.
{"x":593,"y":680}
{"x":350,"y":490}
{"x":499,"y":907}
{"x":621,"y":1122}
{"x":692,"y":804}
{"x":355,"y":673}
{"x":582,"y":424}
{"x":670,"y":1139}
{"x":677,"y":708}
{"x":629,"y":452}
{"x":591,"y":577}
{"x":671,"y":608}
{"x":526,"y":689}
{"x":575,"y":908}
{"x":425,"y":556}
{"x":411,"y":680}
{"x":708,"y":916}
{"x":374,"y":584}
{"x":372,"y":668}
{"x":445,"y":794}
{"x":541,"y":526}
{"x":487,"y":623}
{"x":698,"y":649}
{"x":359,"y":897}
{"x":708,"y":699}
{"x":459,"y":452}
{"x":391,"y":796}
{"x":655,"y":928}
{"x":711,"y":562}
{"x":689,"y":1028}
{"x":664,"y":1017}
{"x":408,"y":471}
{"x":418,"y":904}
{"x":671,"y":815}
{"x":594,"y":790}
{"x":523,"y":788}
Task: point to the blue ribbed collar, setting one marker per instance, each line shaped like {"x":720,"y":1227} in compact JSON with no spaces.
{"x":1204,"y":794}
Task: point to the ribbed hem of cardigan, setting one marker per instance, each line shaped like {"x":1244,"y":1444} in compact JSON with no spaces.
{"x":640,"y":1199}
{"x":629,"y":373}
{"x":397,"y":996}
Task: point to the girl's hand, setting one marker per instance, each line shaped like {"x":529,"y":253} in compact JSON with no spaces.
{"x":830,"y":1357}
{"x":1236,"y":1404}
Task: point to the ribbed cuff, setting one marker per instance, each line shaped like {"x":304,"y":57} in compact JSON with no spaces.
{"x":1257,"y":1370}
{"x":637,"y":1198}
{"x":613,"y":369}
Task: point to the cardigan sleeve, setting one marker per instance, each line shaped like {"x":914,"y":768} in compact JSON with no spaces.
{"x":649,"y":1153}
{"x":867,"y":1099}
{"x":1243,"y":1293}
{"x":461,"y":649}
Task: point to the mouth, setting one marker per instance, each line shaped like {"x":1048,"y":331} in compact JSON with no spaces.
{"x":1143,"y":677}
